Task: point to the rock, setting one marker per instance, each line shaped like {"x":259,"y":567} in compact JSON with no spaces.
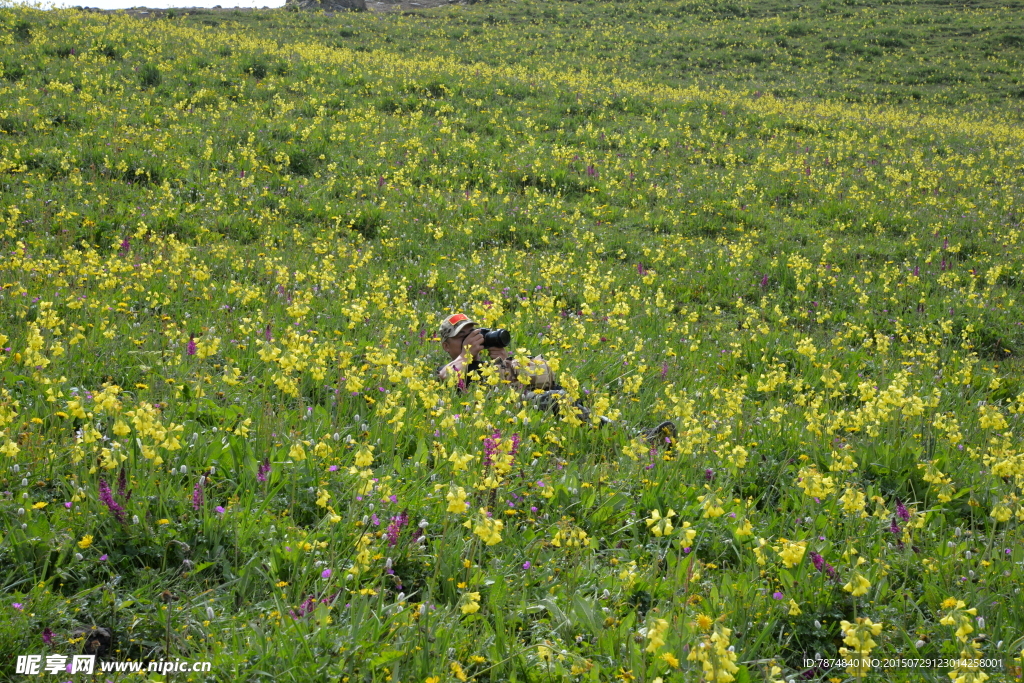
{"x":327,"y":5}
{"x":98,"y":640}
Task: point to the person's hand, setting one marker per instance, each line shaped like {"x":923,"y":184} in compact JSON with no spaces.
{"x":473,"y":344}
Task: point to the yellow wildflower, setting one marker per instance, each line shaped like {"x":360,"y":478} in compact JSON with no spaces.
{"x":456,"y":499}
{"x":660,"y":526}
{"x":858,"y":584}
{"x":470,"y":603}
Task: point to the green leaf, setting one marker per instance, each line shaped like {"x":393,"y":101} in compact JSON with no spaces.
{"x":586,"y":613}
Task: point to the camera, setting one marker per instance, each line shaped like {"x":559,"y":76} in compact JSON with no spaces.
{"x":495,"y":339}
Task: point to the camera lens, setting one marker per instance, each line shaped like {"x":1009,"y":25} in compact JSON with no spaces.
{"x":496,"y":339}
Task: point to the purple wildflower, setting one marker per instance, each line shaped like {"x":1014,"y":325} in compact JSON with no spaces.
{"x":527,"y":565}
{"x":108,"y":499}
{"x":308,"y":605}
{"x":778,"y":595}
{"x":894,"y":528}
{"x":47,"y":636}
{"x":822,"y":566}
{"x":191,"y":348}
{"x":395,"y":528}
{"x":325,"y":574}
{"x":818,"y":560}
{"x":126,"y":246}
{"x":266,"y":333}
{"x":491,"y":446}
{"x":902,"y":511}
{"x":263,"y":470}
{"x":122,"y":486}
{"x":197,"y":493}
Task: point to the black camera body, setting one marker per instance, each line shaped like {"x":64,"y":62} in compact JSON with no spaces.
{"x":495,"y":339}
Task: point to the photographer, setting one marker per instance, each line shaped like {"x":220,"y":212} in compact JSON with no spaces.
{"x":466,"y":345}
{"x":462,"y":340}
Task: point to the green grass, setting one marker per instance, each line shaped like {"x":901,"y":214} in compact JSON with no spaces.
{"x":943,"y":53}
{"x":228,"y":240}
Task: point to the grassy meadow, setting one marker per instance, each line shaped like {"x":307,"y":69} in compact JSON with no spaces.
{"x":796,"y":230}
